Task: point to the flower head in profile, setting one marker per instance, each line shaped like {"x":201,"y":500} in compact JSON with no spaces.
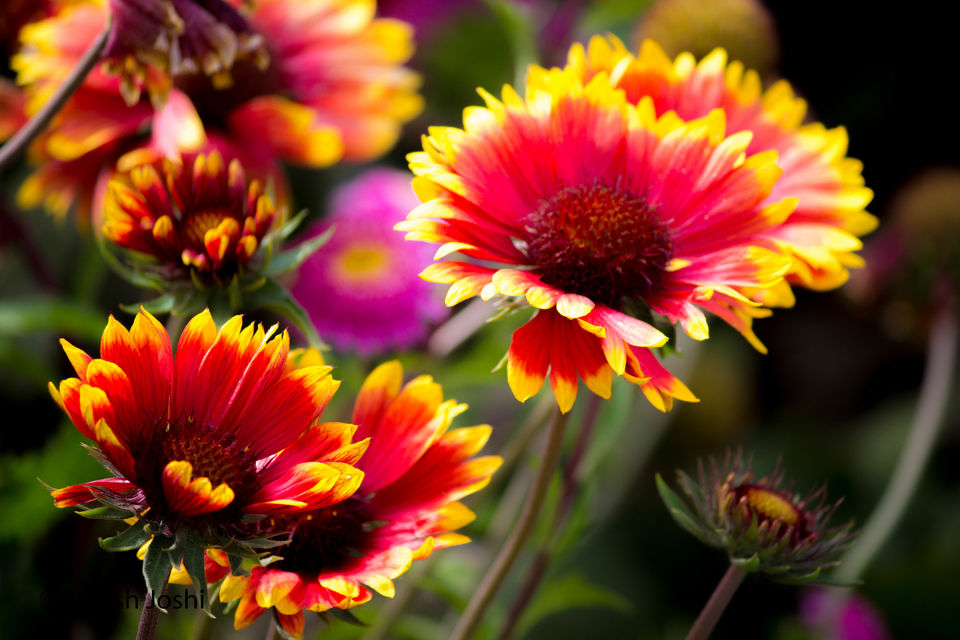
{"x":202,"y":445}
{"x":334,"y":88}
{"x":760,"y":525}
{"x":414,"y":474}
{"x":823,"y":233}
{"x":192,"y":215}
{"x":361,"y":290}
{"x":598,"y":213}
{"x":152,"y":40}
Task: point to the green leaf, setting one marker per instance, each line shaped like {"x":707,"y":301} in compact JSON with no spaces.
{"x":156,"y":567}
{"x":50,"y":315}
{"x":345,"y":615}
{"x":181,"y":300}
{"x":160,"y":305}
{"x":273,"y":297}
{"x":267,"y":543}
{"x":569,"y":592}
{"x":293,"y":258}
{"x":680,"y":511}
{"x":105,"y":513}
{"x":750,"y":565}
{"x":132,"y":538}
{"x":60,"y":462}
{"x":131,"y":275}
{"x":193,"y":555}
{"x":236,"y":565}
{"x":288,"y":228}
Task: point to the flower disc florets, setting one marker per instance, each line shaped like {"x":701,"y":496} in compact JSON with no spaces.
{"x":208,"y":446}
{"x":600,"y":242}
{"x":762,"y":527}
{"x":196,"y":218}
{"x":407,"y":506}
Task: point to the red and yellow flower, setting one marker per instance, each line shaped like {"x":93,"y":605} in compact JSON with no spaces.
{"x":822,"y":234}
{"x":415,"y":471}
{"x":597,"y":210}
{"x":760,"y":525}
{"x":151,"y":40}
{"x":225,"y":429}
{"x":334,"y":88}
{"x":202,"y":216}
{"x":12,"y":104}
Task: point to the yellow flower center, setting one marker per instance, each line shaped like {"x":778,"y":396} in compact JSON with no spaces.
{"x":196,"y":225}
{"x":771,"y":505}
{"x":362,"y":263}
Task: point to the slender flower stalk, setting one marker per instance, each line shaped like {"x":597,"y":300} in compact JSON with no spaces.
{"x":760,"y":525}
{"x":542,"y":560}
{"x":150,"y":615}
{"x":22,"y":138}
{"x":934,"y":396}
{"x":717,"y":603}
{"x":501,"y":566}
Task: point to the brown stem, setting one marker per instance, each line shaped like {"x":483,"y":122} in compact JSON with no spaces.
{"x":272,"y":632}
{"x":718,"y":601}
{"x":521,"y":532}
{"x":542,"y":560}
{"x":28,"y":132}
{"x":150,"y":616}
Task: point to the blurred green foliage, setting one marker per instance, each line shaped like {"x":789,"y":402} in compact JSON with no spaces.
{"x":833,"y":399}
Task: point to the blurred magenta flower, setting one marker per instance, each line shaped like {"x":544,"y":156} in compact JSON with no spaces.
{"x":362,"y":289}
{"x":857,"y":619}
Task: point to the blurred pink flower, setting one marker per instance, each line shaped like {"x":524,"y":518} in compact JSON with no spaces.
{"x":858,"y":619}
{"x":362,"y":289}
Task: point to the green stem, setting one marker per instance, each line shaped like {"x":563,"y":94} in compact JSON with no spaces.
{"x":511,"y":549}
{"x":707,"y":620}
{"x":27,"y":133}
{"x":520,"y":440}
{"x":150,"y":615}
{"x":934,"y":396}
{"x":542,"y":560}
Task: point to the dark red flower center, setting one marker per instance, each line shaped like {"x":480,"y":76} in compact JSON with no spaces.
{"x":600,"y":242}
{"x":769,"y":505}
{"x":212,"y":453}
{"x":330,"y":539}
